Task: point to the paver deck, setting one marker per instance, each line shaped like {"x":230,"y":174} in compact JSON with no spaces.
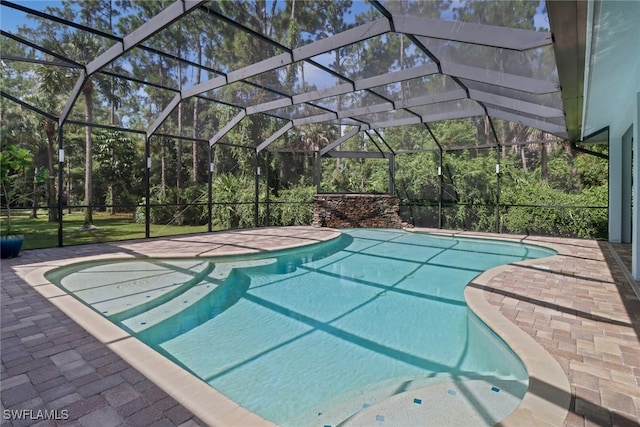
{"x":579,"y":305}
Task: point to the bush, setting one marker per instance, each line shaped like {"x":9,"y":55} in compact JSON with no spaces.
{"x":233,"y":198}
{"x":293,"y":206}
{"x":579,"y":222}
{"x":189,"y":211}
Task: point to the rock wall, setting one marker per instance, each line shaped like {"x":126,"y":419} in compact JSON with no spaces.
{"x":356,"y":210}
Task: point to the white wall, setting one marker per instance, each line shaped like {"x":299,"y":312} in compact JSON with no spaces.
{"x":635,"y":245}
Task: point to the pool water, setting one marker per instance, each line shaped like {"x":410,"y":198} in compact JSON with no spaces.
{"x":313,"y":336}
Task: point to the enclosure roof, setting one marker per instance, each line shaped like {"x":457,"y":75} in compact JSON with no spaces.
{"x":382,"y":64}
{"x":612,"y":66}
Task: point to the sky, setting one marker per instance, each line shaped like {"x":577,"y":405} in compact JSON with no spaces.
{"x":10,"y":18}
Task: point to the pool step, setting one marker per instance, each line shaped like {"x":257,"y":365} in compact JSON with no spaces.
{"x":190,"y":296}
{"x":478,"y":402}
{"x":170,"y":308}
{"x":163,"y":298}
{"x":459,"y":403}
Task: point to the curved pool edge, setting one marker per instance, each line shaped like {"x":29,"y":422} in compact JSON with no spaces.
{"x":547,"y":400}
{"x":548,"y":397}
{"x":212,"y":407}
{"x":205,"y":402}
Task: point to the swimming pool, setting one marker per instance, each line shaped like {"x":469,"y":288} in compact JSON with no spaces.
{"x":315,"y":335}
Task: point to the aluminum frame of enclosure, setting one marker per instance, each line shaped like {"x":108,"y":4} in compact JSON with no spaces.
{"x":479,"y":90}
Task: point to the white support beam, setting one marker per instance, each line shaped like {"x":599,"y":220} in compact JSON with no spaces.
{"x":458,"y":114}
{"x":273,"y":137}
{"x":627,"y":186}
{"x":347,"y":88}
{"x":420,"y":27}
{"x":363,"y":111}
{"x":616,"y":193}
{"x":204,"y":87}
{"x":353,"y":35}
{"x":339,"y":141}
{"x":496,"y":78}
{"x":162,"y":20}
{"x":75,"y":93}
{"x":466,"y":32}
{"x":340,"y":89}
{"x":271,"y":105}
{"x":414,"y":120}
{"x":358,"y":155}
{"x":635,"y":237}
{"x":227,"y":128}
{"x":163,"y":115}
{"x":259,"y":67}
{"x":515,"y":104}
{"x":106,"y":57}
{"x":552,"y":128}
{"x":397,"y":76}
{"x":451,"y":95}
{"x":314,"y":119}
{"x":184,"y":94}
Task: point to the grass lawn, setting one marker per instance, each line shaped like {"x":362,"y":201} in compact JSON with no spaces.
{"x":40,"y":233}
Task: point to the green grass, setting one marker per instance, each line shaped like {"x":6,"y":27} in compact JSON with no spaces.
{"x":40,"y":233}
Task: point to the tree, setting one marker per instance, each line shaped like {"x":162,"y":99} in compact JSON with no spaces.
{"x":14,"y":162}
{"x":20,"y":125}
{"x":80,"y":47}
{"x":117,"y":161}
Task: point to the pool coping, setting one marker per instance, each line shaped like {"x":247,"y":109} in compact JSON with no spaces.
{"x":545,"y":403}
{"x":548,"y":397}
{"x":205,"y":402}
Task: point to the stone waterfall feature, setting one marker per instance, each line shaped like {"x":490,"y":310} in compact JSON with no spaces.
{"x":356,"y":210}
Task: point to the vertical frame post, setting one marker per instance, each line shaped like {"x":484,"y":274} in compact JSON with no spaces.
{"x":440,"y":186}
{"x":498,"y":149}
{"x":266,"y":176}
{"x":392,"y":174}
{"x":257,"y":190}
{"x":147,"y":180}
{"x":440,"y":175}
{"x":60,"y":186}
{"x":210,"y":157}
{"x":318,"y":171}
{"x":635,"y":226}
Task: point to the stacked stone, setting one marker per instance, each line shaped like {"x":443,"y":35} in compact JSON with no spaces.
{"x":356,"y":210}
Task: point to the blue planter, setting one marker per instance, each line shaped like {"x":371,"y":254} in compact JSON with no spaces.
{"x":10,"y":246}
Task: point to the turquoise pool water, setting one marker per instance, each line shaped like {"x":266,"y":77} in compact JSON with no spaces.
{"x":312,"y":336}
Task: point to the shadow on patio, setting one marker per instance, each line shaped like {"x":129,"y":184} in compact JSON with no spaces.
{"x":581,"y":307}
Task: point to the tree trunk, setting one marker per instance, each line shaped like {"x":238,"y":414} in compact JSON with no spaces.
{"x":543,"y":163}
{"x":34,"y":205}
{"x":339,"y":70}
{"x":523,"y":158}
{"x":87,"y":91}
{"x":50,"y":129}
{"x":112,"y":198}
{"x":112,"y":121}
{"x":179,"y":151}
{"x":194,"y":147}
{"x":179,"y":141}
{"x":68,"y":198}
{"x":163,"y":172}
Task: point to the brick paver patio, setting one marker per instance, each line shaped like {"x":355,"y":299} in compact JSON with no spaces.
{"x":579,"y":305}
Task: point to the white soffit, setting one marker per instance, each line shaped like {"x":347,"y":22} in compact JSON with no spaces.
{"x":612,"y":69}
